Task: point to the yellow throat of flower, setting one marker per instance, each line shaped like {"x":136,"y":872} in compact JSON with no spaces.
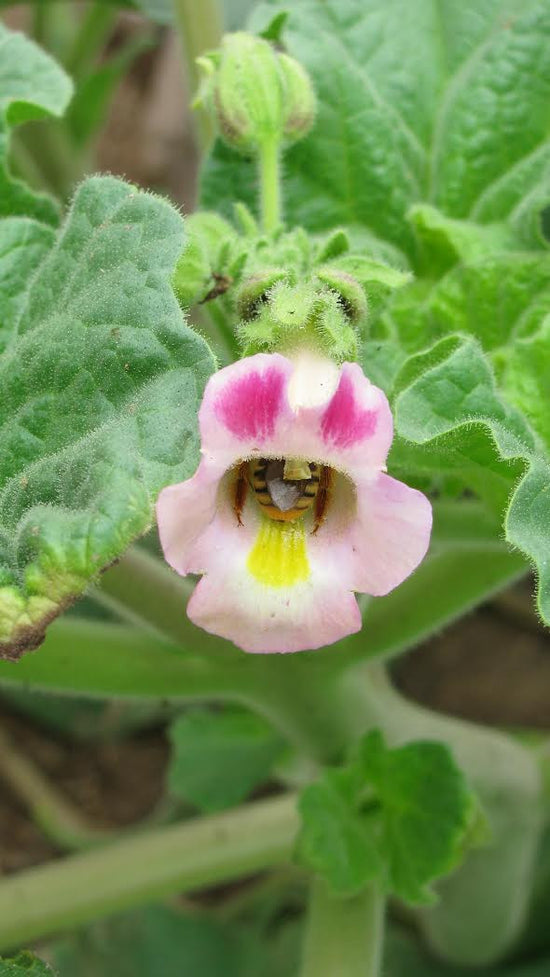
{"x":278,"y":557}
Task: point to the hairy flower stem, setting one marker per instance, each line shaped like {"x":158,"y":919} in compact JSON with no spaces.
{"x":145,"y":867}
{"x":270,"y":184}
{"x":200,"y":27}
{"x":344,"y":936}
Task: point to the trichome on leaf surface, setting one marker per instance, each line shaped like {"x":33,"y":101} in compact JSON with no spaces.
{"x":351,"y":332}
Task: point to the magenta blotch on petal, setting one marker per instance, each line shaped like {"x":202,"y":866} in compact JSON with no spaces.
{"x":345,"y":422}
{"x":249,"y":408}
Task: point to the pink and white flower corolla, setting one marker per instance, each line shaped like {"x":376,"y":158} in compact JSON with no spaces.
{"x":291,"y":511}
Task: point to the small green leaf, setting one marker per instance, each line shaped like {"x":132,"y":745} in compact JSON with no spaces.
{"x":401,"y":817}
{"x":428,"y":812}
{"x":100,"y":389}
{"x":24,"y":965}
{"x":336,"y":840}
{"x":32,"y":86}
{"x":218,"y":758}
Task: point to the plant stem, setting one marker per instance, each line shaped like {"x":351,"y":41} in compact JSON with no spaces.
{"x":344,"y":936}
{"x":59,"y":820}
{"x":200,"y":27}
{"x":130,"y":872}
{"x":94,"y":29}
{"x":270,"y":184}
{"x":39,"y":21}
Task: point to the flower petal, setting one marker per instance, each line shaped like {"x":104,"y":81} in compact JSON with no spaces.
{"x":278,"y":601}
{"x":273,"y":406}
{"x":389,"y":536}
{"x":244,"y":407}
{"x":356,"y":427}
{"x":183,"y":513}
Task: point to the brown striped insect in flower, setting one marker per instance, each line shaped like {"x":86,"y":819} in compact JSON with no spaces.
{"x":285,"y":488}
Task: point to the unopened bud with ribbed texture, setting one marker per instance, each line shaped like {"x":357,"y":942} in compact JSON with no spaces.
{"x":256,"y":93}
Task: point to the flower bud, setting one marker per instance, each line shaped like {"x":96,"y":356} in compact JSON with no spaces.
{"x":257,"y":94}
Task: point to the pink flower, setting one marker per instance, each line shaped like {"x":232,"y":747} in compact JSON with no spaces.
{"x":290,"y":510}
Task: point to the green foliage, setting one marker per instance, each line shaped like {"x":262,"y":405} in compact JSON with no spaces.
{"x":94,"y":92}
{"x":218,"y":758}
{"x":399,"y":817}
{"x":393,"y":129}
{"x":405,"y":958}
{"x":158,"y":10}
{"x":24,"y":965}
{"x":32,"y":86}
{"x":157,"y":940}
{"x":451,"y":412}
{"x":101,"y":382}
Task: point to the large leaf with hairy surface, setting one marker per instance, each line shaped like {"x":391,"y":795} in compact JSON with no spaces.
{"x":100,"y":384}
{"x":32,"y":86}
{"x":450,"y":417}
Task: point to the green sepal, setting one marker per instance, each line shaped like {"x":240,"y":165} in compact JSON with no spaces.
{"x":292,"y":317}
{"x":333,"y":246}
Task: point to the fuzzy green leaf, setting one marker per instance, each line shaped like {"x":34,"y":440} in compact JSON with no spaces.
{"x":400,"y":817}
{"x":498,"y":298}
{"x":32,"y":86}
{"x":219,"y":757}
{"x":24,"y":965}
{"x":100,"y":389}
{"x":506,"y":80}
{"x":526,"y":377}
{"x":445,"y":240}
{"x":449,"y":416}
{"x":24,"y":243}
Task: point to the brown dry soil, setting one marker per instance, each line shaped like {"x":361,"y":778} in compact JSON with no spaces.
{"x":114,"y":784}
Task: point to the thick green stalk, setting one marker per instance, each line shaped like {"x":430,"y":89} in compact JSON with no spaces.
{"x":90,"y":38}
{"x":344,"y":936}
{"x":270,"y":184}
{"x":200,"y":27}
{"x":140,"y":869}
